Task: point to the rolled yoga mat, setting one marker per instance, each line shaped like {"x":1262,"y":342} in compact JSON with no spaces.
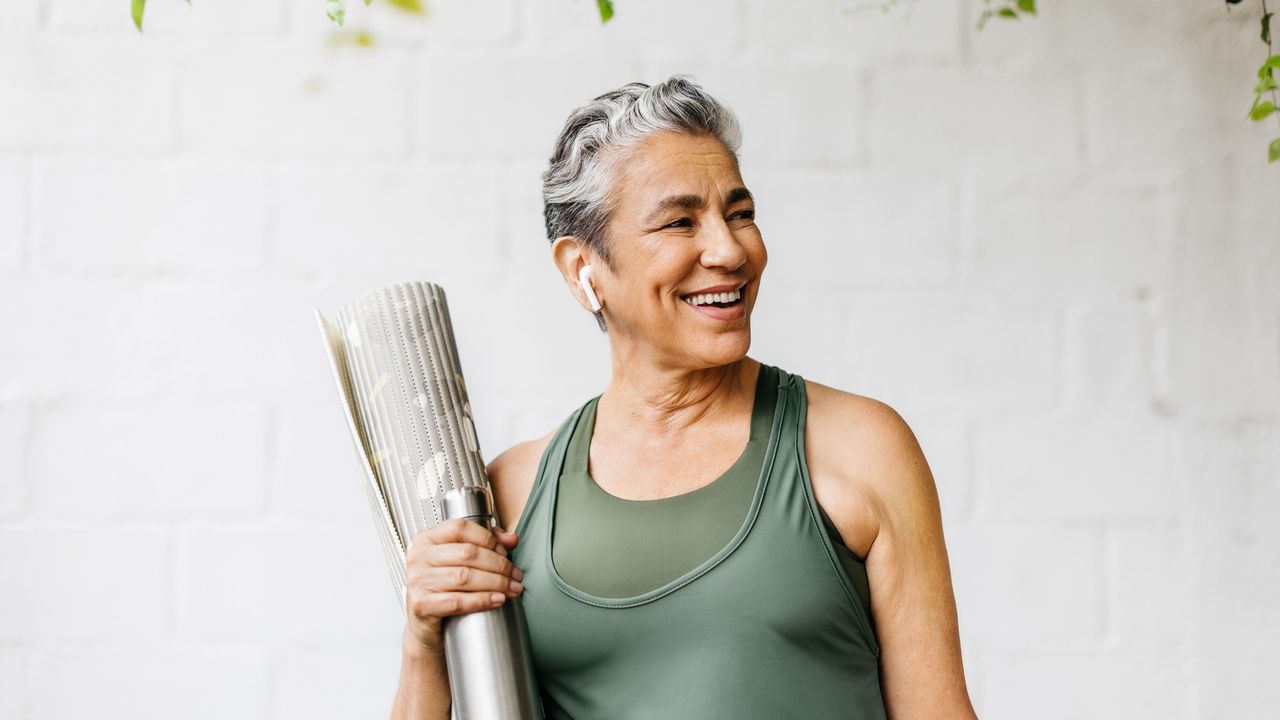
{"x":396,"y":364}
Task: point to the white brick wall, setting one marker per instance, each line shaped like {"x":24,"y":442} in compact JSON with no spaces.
{"x":200,"y":684}
{"x":1053,"y":246}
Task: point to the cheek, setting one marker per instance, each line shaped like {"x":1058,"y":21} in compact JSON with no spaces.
{"x":757,"y":252}
{"x":667,"y":269}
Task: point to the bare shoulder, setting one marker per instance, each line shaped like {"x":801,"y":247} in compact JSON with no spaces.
{"x":856,"y":412}
{"x":865,"y":462}
{"x":869,"y":473}
{"x":511,"y":475}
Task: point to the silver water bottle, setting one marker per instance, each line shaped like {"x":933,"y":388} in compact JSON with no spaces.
{"x":491,"y":675}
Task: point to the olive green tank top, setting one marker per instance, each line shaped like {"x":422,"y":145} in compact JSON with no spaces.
{"x":734,"y":600}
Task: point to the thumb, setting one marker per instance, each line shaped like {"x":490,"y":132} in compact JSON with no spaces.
{"x":507,"y":538}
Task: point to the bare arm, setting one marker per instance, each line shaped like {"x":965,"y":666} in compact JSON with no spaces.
{"x":910,"y":578}
{"x":872,"y":478}
{"x":424,"y":683}
{"x":424,"y":678}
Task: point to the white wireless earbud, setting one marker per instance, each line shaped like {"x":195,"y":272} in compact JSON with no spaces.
{"x":584,"y":279}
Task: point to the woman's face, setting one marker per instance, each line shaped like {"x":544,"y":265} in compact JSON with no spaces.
{"x":683,"y":235}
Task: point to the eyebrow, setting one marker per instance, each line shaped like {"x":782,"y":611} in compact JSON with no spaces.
{"x":694,"y":202}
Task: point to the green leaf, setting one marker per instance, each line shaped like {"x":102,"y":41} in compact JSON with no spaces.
{"x":1262,"y":111}
{"x":1266,"y":28}
{"x":1007,"y":13}
{"x":360,"y":38}
{"x":606,"y":10}
{"x":138,"y":7}
{"x":337,"y":10}
{"x":1273,"y":152}
{"x":1272,"y":62}
{"x":413,"y":6}
{"x":1266,"y":81}
{"x":367,"y":3}
{"x":1027,"y":6}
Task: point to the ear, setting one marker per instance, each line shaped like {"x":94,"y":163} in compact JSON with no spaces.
{"x":570,"y":255}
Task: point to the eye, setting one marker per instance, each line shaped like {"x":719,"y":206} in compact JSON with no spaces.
{"x":747,"y":214}
{"x":678,"y":223}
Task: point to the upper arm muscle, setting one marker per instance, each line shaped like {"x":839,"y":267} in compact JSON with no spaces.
{"x":875,"y":465}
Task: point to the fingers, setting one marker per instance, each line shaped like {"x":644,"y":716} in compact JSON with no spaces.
{"x":466,"y":578}
{"x":506,"y":535}
{"x":461,"y":530}
{"x":458,"y":589}
{"x":455,"y":568}
{"x":459,"y":567}
{"x":446,"y":604}
{"x":476,"y":557}
{"x":462,"y":556}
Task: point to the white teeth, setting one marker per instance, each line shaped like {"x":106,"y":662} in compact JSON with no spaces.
{"x":706,"y":298}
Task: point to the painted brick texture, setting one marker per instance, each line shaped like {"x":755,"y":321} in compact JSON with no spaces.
{"x":1053,"y":246}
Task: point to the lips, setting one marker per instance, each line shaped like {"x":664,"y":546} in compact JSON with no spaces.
{"x":716,"y":289}
{"x":728,"y":292}
{"x":729,"y":312}
{"x":725,"y":303}
{"x":722,"y":298}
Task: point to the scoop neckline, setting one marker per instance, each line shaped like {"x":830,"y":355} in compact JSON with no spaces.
{"x":671,"y":586}
{"x":688,"y":495}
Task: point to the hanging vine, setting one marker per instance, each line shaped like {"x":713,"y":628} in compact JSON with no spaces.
{"x":1266,"y":87}
{"x":1265,"y":103}
{"x":337,"y":9}
{"x":1007,"y":9}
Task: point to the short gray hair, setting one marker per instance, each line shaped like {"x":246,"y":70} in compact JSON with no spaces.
{"x":576,"y":188}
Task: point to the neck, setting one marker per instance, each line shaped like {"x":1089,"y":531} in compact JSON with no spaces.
{"x":660,"y":400}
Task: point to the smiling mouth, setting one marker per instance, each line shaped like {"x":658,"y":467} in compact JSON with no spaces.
{"x":721,"y":300}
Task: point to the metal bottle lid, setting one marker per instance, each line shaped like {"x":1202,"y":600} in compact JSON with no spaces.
{"x":472,"y":502}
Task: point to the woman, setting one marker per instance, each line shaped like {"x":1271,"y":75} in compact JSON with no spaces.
{"x":710,"y":537}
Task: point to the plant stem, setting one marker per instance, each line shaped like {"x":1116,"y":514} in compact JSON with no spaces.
{"x":1271,"y":52}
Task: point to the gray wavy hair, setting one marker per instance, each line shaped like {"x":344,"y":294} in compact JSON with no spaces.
{"x":576,"y":188}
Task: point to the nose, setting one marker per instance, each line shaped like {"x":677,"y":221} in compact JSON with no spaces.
{"x":721,"y":248}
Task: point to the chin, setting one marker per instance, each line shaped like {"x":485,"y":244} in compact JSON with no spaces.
{"x":722,"y":349}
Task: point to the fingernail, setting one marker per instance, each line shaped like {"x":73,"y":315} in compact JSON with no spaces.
{"x":502,"y":550}
{"x":517,"y":586}
{"x":497,"y":597}
{"x":517,"y":573}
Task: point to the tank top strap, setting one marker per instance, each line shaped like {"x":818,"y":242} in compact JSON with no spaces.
{"x":553,"y":457}
{"x":796,"y":506}
{"x":576,"y":452}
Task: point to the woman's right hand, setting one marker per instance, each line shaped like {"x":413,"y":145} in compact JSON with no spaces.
{"x":454,"y":568}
